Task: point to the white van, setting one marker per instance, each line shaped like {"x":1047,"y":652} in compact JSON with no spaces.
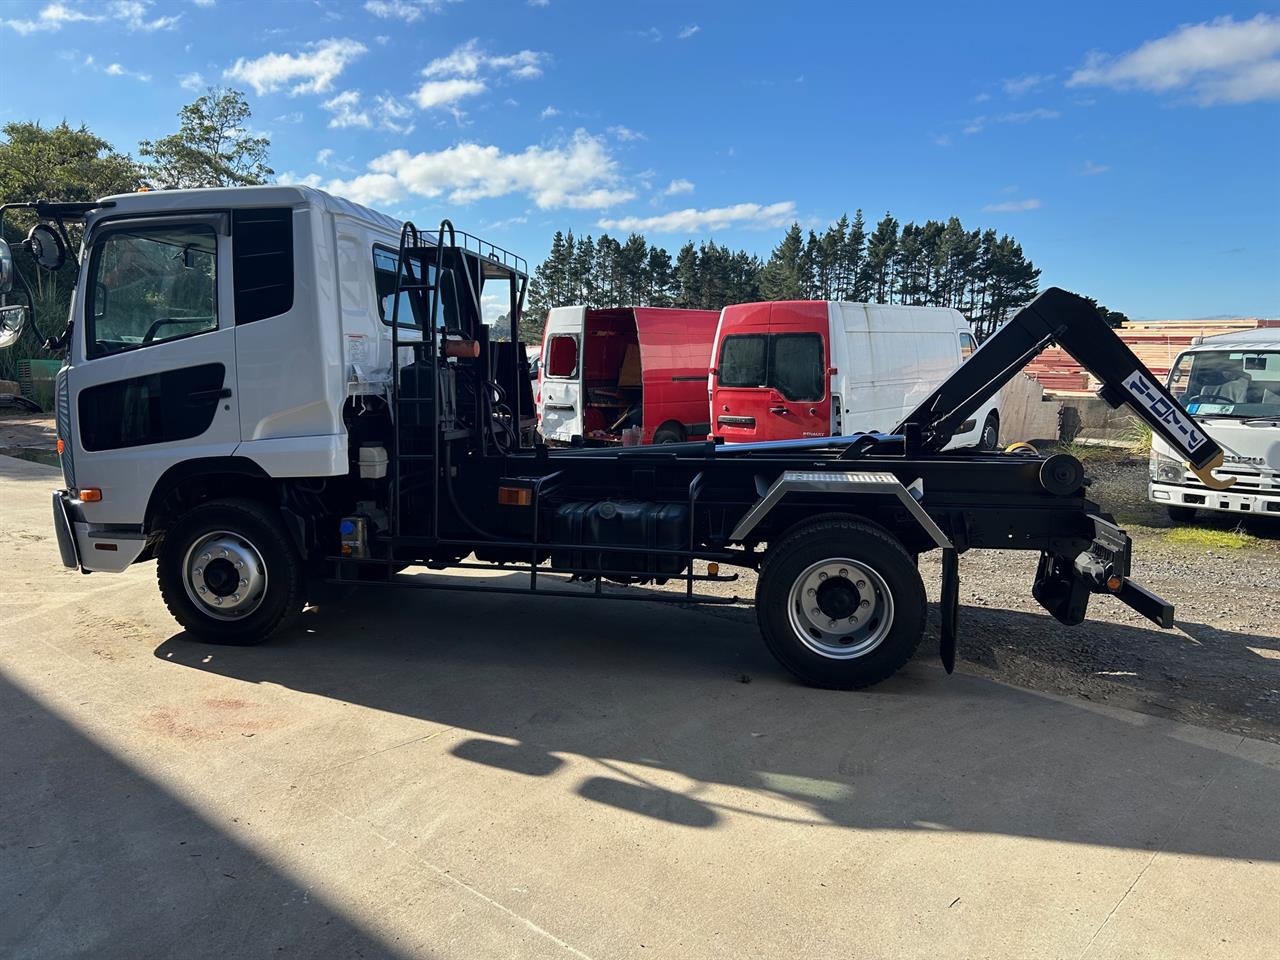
{"x":813,"y":368}
{"x":1231,"y":385}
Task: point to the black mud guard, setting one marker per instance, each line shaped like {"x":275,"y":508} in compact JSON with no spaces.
{"x":949,"y":609}
{"x":1059,"y":590}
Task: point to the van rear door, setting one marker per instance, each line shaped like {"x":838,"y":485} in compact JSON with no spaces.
{"x":771,"y":372}
{"x":562,"y":394}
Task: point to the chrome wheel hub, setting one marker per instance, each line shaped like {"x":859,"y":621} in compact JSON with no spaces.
{"x":840,"y":608}
{"x":224,"y":575}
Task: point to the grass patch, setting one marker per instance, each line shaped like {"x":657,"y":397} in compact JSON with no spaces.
{"x":1095,"y":452}
{"x":1201,"y":537}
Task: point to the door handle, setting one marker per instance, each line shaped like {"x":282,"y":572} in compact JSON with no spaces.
{"x":777,"y":409}
{"x":222,"y":393}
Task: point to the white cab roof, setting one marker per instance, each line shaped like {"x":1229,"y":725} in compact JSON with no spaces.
{"x":172,"y":201}
{"x":1263,"y":338}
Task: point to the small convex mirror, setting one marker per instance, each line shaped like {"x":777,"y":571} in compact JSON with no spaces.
{"x":6,"y":267}
{"x":46,"y":247}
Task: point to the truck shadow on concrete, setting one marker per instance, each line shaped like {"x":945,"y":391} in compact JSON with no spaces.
{"x":653,"y":697}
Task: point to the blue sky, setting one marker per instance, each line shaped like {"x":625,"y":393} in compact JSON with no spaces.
{"x":1133,"y":148}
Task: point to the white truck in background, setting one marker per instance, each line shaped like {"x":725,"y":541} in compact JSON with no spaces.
{"x":1231,"y":385}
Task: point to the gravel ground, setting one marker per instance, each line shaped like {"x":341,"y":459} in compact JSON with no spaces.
{"x":1220,"y":666}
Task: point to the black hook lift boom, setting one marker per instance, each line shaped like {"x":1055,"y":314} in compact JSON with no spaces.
{"x":834,"y":526}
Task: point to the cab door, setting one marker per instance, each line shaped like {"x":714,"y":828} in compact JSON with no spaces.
{"x":798,"y":383}
{"x":152,"y":377}
{"x":562,"y":391}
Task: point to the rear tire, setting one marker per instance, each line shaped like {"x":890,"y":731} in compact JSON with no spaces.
{"x":1182,"y":514}
{"x":229,"y":573}
{"x":668,"y":433}
{"x":840,"y":603}
{"x":990,"y":437}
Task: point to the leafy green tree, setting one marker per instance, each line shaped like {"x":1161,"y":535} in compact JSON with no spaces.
{"x":55,"y":163}
{"x":212,"y":148}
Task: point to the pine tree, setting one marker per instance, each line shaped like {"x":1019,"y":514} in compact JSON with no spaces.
{"x":584,"y":273}
{"x":661,"y":276}
{"x":856,"y":275}
{"x":882,"y":245}
{"x":686,"y":276}
{"x":783,"y":277}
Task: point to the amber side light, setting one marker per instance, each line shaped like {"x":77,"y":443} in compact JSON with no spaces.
{"x":515,"y":496}
{"x":89,"y":494}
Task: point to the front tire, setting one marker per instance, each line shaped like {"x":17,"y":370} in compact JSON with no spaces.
{"x":669,"y":432}
{"x":840,"y":603}
{"x":229,"y":573}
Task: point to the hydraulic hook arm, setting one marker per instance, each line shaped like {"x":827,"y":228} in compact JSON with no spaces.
{"x":1070,"y":321}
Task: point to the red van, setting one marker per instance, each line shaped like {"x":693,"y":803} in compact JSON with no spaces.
{"x":626,"y":368}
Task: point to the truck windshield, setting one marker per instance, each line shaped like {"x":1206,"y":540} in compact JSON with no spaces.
{"x":1243,"y":384}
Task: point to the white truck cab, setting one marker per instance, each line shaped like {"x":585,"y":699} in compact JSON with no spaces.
{"x":216,"y":329}
{"x":1231,"y":385}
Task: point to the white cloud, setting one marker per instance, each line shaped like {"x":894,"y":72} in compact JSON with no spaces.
{"x":133,"y":14}
{"x":1092,"y":169}
{"x":439,"y":93}
{"x":294,"y":117}
{"x":579,"y":174}
{"x":51,"y":18}
{"x":1017,"y":86}
{"x":978,"y":124}
{"x":982,"y":98}
{"x":626,"y":134}
{"x":387,"y":113}
{"x":1012,"y":206}
{"x":539,"y":3}
{"x":204,"y":3}
{"x":346,"y":111}
{"x":314,"y":70}
{"x":652,"y":34}
{"x":323,"y":156}
{"x":406,"y":10}
{"x":688,"y":31}
{"x":469,"y":59}
{"x":548,"y":112}
{"x":676,"y":187}
{"x":942,"y":140}
{"x":116,"y":70}
{"x":1218,"y":61}
{"x":191,"y":81}
{"x":745,"y":215}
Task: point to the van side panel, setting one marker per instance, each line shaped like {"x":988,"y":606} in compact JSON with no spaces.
{"x":675,"y":354}
{"x":561,"y":396}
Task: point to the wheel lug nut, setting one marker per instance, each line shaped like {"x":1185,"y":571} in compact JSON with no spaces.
{"x":817,"y":612}
{"x":202,"y":590}
{"x":239,"y":564}
{"x":831,"y":623}
{"x":224,"y":551}
{"x":865,"y":603}
{"x":244,"y":583}
{"x":822,"y":576}
{"x":235,"y":598}
{"x":844,"y":572}
{"x":854,"y":618}
{"x":206,"y":557}
{"x":218,"y":601}
{"x":811,"y":592}
{"x":199,"y":571}
{"x":862,"y":583}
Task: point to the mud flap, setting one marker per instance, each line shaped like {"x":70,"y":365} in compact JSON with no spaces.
{"x":949,"y":609}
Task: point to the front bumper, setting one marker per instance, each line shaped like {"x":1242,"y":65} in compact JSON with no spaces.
{"x":1235,"y":499}
{"x":63,"y":529}
{"x":91,"y":547}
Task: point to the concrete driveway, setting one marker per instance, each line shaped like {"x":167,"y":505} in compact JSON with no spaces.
{"x":453,"y":775}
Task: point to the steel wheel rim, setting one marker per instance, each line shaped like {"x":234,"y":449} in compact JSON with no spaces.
{"x":827,"y":588}
{"x":224,"y":575}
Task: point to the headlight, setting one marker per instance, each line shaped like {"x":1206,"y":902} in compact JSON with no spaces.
{"x":1166,"y":469}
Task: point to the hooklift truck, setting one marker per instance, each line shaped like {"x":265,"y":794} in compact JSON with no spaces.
{"x":270,"y":390}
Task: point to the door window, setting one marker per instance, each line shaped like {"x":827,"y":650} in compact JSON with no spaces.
{"x":967,"y":346}
{"x":743,"y":361}
{"x":563,"y":358}
{"x":791,"y":363}
{"x":150,"y":285}
{"x":796,"y":370}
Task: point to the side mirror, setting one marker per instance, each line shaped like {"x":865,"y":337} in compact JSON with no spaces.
{"x":46,"y":247}
{"x":6,"y":267}
{"x":12,"y":320}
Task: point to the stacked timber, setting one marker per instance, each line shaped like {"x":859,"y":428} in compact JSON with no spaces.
{"x":1156,"y":343}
